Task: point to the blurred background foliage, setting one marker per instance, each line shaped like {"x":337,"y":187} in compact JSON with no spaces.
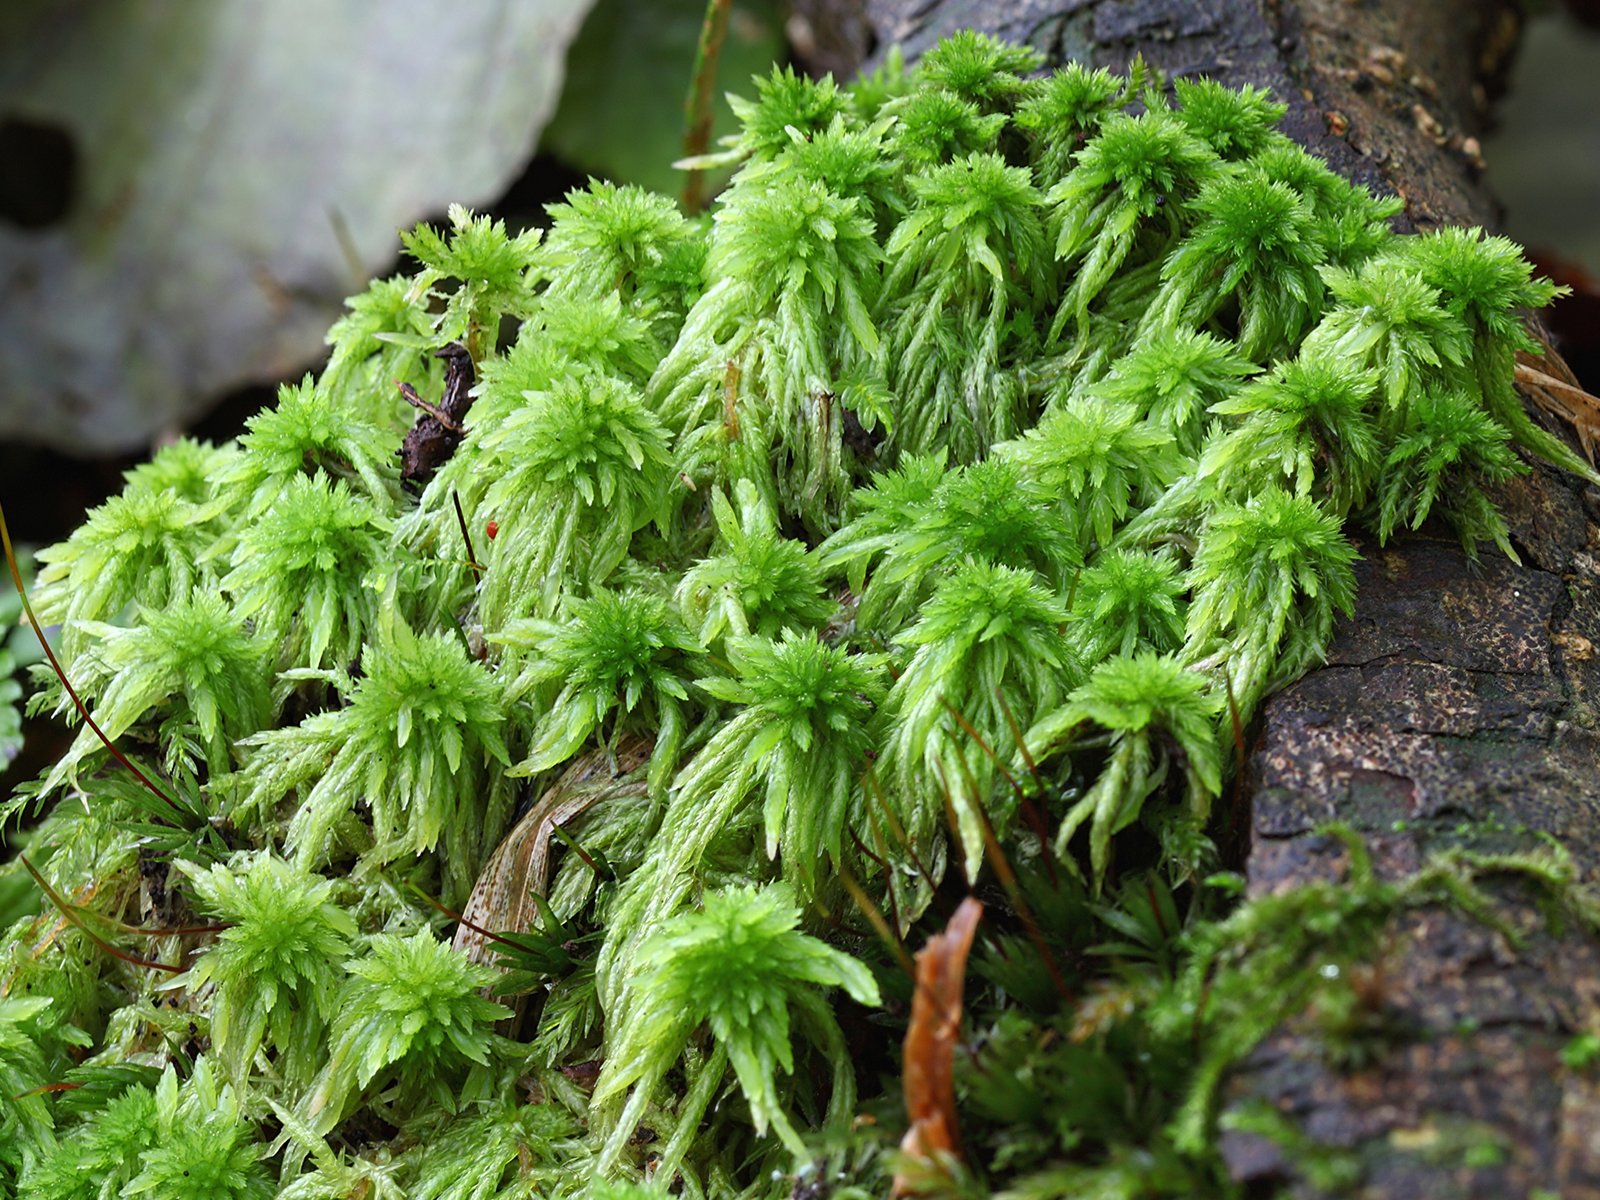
{"x":621,"y":114}
{"x":1543,"y":165}
{"x":197,"y":185}
{"x":1543,"y":153}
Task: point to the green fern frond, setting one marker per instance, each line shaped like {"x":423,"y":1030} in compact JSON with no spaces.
{"x":933,"y":126}
{"x":576,"y":471}
{"x":192,"y":659}
{"x":419,"y":740}
{"x":1305,"y":425}
{"x":1067,"y":109}
{"x":1173,"y":378}
{"x":1268,"y":578}
{"x":1387,"y":318}
{"x":491,"y":267}
{"x":142,"y":546}
{"x":1236,"y":124}
{"x":1100,"y":459}
{"x":1255,"y":249}
{"x":308,"y":430}
{"x":1126,"y":601}
{"x":302,"y":572}
{"x":990,"y":639}
{"x":761,"y":582}
{"x":991,"y":512}
{"x":980,"y":68}
{"x":1129,"y":183}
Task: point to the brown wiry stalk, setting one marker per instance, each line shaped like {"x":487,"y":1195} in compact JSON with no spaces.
{"x":466,"y":538}
{"x":72,"y":913}
{"x":697,"y":106}
{"x":61,"y":674}
{"x":876,"y":919}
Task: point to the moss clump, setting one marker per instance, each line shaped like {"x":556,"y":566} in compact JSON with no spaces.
{"x":957,"y":467}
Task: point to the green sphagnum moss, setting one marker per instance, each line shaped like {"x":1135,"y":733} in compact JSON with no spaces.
{"x":924,"y":501}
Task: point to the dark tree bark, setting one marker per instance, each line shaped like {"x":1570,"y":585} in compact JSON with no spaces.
{"x":1459,"y":707}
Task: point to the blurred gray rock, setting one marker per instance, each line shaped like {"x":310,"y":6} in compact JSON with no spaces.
{"x":189,"y":188}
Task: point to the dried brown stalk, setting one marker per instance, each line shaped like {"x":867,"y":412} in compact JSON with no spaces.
{"x":929,"y":1065}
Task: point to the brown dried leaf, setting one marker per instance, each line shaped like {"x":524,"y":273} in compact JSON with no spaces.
{"x":519,"y":868}
{"x":929,"y":1062}
{"x":1550,"y":383}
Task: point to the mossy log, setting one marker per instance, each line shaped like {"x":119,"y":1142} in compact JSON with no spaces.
{"x":1459,"y":706}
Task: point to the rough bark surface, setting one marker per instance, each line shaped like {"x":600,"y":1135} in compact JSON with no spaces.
{"x":1460,"y":706}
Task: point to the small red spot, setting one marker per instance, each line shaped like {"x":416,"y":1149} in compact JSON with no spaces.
{"x":492,"y":528}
